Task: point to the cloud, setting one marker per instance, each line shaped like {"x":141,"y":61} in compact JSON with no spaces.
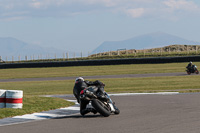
{"x":64,"y":8}
{"x":181,"y":5}
{"x":36,"y":4}
{"x":177,"y":9}
{"x":135,"y":13}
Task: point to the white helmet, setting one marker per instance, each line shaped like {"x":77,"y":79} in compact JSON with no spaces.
{"x":79,"y":78}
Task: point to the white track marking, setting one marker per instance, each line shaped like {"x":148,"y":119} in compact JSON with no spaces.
{"x":130,"y":94}
{"x":54,"y":114}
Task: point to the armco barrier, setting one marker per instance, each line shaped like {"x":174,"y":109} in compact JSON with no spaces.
{"x":101,"y":62}
{"x":2,"y":98}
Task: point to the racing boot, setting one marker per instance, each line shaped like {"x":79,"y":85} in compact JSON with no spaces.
{"x":84,"y":111}
{"x":92,"y":110}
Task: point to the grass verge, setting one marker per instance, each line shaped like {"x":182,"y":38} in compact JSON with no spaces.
{"x":33,"y":104}
{"x":148,"y":84}
{"x":92,"y":70}
{"x":154,"y":84}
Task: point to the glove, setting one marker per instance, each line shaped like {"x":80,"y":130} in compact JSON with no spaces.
{"x":97,"y":82}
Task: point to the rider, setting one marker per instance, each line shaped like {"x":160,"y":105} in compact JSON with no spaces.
{"x":189,"y":66}
{"x":81,"y":84}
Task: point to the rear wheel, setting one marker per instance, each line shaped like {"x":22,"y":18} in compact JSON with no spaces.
{"x":188,"y":73}
{"x":101,"y":107}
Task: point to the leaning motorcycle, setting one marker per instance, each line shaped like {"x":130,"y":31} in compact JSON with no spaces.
{"x":105,"y":106}
{"x":192,"y":70}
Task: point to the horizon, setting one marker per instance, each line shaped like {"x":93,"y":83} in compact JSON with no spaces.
{"x":77,"y":25}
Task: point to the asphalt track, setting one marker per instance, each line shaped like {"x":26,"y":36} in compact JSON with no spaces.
{"x":139,"y":114}
{"x":179,"y":113}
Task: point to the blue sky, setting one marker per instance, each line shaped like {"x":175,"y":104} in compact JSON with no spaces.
{"x":82,"y":25}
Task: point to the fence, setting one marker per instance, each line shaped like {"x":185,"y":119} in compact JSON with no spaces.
{"x":46,"y":57}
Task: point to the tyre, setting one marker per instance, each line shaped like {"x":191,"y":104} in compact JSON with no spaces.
{"x":188,"y":73}
{"x":197,"y":72}
{"x":101,"y":107}
{"x":117,"y":111}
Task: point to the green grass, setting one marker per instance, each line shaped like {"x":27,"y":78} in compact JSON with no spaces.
{"x":154,"y":84}
{"x":92,"y":70}
{"x":40,"y":87}
{"x":148,"y":84}
{"x":32,"y":104}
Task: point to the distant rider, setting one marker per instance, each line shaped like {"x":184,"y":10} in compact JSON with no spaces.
{"x":189,"y":66}
{"x":81,"y":84}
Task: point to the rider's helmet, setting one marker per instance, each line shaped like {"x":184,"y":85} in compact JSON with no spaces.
{"x":79,"y":79}
{"x":190,"y":62}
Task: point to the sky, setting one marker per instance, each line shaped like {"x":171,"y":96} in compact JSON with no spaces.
{"x":82,"y":25}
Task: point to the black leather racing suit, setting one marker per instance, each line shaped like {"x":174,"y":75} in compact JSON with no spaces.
{"x":189,"y":67}
{"x":81,"y":85}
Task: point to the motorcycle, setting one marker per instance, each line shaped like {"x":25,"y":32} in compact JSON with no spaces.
{"x":105,"y":106}
{"x":193,"y":69}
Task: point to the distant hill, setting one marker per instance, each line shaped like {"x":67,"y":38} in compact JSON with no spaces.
{"x":153,"y":40}
{"x":13,"y":47}
{"x":171,"y":50}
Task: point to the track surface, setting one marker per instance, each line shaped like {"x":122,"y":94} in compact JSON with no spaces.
{"x":98,"y":77}
{"x":140,"y":114}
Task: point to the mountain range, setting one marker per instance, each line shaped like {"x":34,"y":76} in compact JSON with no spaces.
{"x":152,"y":40}
{"x":13,"y":47}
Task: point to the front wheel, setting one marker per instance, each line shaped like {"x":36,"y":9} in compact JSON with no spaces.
{"x":117,"y":111}
{"x":197,"y":72}
{"x":101,"y":107}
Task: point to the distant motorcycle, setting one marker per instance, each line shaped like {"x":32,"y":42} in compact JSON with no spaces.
{"x":192,"y":69}
{"x":105,"y":106}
